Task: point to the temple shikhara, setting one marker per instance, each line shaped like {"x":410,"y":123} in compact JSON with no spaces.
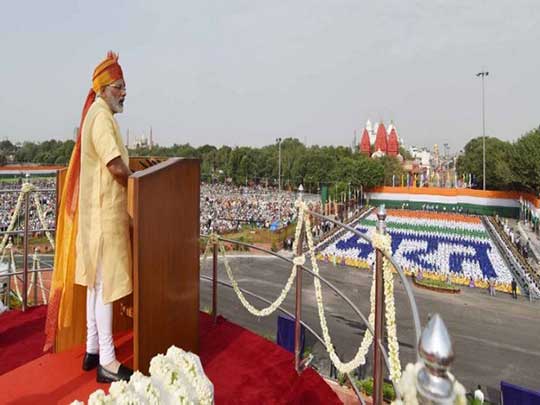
{"x":377,"y":141}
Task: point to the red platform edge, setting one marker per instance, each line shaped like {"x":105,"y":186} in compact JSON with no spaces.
{"x":244,"y":367}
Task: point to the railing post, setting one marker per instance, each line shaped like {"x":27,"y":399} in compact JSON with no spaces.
{"x":35,"y":276}
{"x":379,"y":312}
{"x":214,"y":280}
{"x":433,"y":384}
{"x":8,"y":289}
{"x":298,"y":312}
{"x":25,"y":258}
{"x":8,"y":303}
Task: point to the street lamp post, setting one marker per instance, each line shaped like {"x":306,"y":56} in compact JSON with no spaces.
{"x":483,"y":74}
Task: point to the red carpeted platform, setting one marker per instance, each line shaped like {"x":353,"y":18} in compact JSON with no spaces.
{"x":244,"y":367}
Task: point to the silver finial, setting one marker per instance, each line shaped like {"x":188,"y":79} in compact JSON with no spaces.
{"x":300,"y":191}
{"x":381,"y":212}
{"x":381,"y":216}
{"x":435,"y":349}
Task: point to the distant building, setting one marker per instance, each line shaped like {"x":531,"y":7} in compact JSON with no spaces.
{"x":421,"y":155}
{"x":142,"y":141}
{"x":383,"y":142}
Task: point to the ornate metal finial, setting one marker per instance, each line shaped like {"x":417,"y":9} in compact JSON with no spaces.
{"x":381,"y":216}
{"x":433,"y":383}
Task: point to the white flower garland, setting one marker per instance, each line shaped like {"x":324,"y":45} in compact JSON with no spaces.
{"x":360,"y":357}
{"x":11,"y":224}
{"x":26,"y":188}
{"x":41,"y":216}
{"x":176,"y":378}
{"x":384,"y":243}
{"x":297,"y":261}
{"x":407,"y":385}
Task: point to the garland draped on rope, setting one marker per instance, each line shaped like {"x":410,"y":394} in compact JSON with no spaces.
{"x":4,"y":245}
{"x":26,"y":188}
{"x":298,"y":261}
{"x":382,"y":242}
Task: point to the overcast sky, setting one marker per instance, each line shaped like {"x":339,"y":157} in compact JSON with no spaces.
{"x":244,"y":72}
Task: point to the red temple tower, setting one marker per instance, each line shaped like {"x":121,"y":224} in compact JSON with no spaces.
{"x":365,"y":146}
{"x":393,"y":143}
{"x":380,"y":140}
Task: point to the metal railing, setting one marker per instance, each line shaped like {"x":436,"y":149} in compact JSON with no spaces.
{"x":520,"y":270}
{"x":25,"y":272}
{"x":434,"y":347}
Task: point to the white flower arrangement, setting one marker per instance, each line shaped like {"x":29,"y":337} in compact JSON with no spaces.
{"x":407,"y":385}
{"x":176,"y":378}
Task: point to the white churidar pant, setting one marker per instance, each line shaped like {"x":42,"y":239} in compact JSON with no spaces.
{"x":99,"y":338}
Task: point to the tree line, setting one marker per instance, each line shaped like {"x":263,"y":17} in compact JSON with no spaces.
{"x":337,"y":166}
{"x":509,"y":165}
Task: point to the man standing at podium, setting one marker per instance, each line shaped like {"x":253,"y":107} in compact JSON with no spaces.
{"x":92,"y":231}
{"x":103,"y":248}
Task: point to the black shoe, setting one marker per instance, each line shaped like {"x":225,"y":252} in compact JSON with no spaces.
{"x":105,"y":376}
{"x":90,"y":361}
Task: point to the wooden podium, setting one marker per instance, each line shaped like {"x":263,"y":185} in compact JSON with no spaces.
{"x":163,"y":202}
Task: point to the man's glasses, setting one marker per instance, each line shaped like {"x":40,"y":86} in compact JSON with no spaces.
{"x":118,"y":87}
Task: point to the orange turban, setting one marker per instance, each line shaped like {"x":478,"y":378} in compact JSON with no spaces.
{"x":106,"y":72}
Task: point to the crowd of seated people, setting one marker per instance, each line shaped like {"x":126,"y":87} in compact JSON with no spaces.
{"x":227,"y":208}
{"x":8,"y":200}
{"x":443,"y":246}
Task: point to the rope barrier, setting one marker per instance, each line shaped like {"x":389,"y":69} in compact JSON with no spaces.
{"x":383,"y":242}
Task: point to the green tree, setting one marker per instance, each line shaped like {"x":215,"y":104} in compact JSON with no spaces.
{"x":405,"y":153}
{"x":499,"y":175}
{"x":392,"y":169}
{"x":525,"y":161}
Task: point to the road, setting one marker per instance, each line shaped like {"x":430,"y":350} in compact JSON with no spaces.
{"x":495,"y":338}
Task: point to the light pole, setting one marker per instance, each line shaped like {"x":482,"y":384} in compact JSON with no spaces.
{"x":279,"y":140}
{"x":483,"y":74}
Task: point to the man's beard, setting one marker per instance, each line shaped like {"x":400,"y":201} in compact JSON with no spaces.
{"x":116,"y":105}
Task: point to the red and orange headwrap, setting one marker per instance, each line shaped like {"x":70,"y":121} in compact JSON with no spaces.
{"x":107,"y":72}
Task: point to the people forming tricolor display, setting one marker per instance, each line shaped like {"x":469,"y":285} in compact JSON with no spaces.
{"x":92,"y":241}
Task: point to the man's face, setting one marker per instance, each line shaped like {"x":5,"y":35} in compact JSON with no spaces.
{"x":115,"y":94}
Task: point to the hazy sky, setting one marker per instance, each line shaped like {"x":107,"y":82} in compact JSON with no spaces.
{"x":243,"y":72}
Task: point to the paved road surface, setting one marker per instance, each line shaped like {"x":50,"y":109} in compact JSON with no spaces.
{"x":494,"y":338}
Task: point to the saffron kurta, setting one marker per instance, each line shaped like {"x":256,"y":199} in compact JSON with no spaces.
{"x":103,"y":223}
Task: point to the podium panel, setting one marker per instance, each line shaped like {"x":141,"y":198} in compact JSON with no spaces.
{"x":163,"y":201}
